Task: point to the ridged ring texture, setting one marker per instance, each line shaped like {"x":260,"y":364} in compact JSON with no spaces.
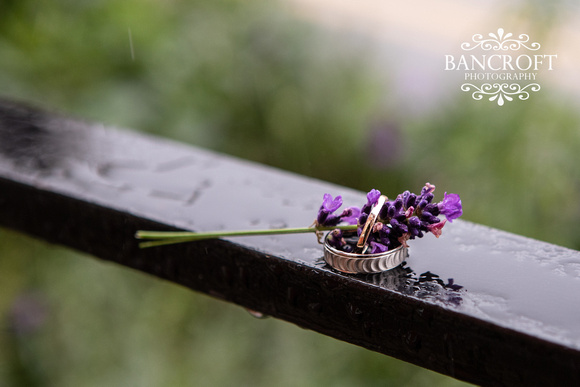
{"x":364,"y":263}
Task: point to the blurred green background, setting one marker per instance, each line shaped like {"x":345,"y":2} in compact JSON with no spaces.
{"x":251,"y":80}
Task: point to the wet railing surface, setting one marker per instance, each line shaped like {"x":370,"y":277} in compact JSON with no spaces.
{"x":514,"y":321}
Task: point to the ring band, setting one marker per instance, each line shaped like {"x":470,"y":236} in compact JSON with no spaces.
{"x":369,"y":224}
{"x":363,"y":263}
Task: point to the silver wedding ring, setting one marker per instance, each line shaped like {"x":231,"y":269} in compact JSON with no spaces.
{"x":364,"y":263}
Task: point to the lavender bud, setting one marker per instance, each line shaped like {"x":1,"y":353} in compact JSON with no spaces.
{"x":322,"y":215}
{"x":398,"y":203}
{"x":429,"y":218}
{"x":366,"y":209}
{"x":362,"y":219}
{"x":403,"y":227}
{"x":384,"y":211}
{"x":335,"y":239}
{"x":385,"y":231}
{"x":411,"y":201}
{"x":385,"y":241}
{"x":405,"y":196}
{"x":332,"y":220}
{"x":391,"y":211}
{"x":377,"y":247}
{"x":401,"y":217}
{"x":432,"y":208}
{"x":428,"y":188}
{"x":415,"y":222}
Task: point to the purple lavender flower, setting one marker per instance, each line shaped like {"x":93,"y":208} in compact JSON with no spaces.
{"x":451,"y":206}
{"x":329,"y":205}
{"x":384,"y":238}
{"x":373,"y":197}
{"x":405,"y":196}
{"x":350,"y":215}
{"x":422,"y":204}
{"x":378,"y":227}
{"x":394,"y":223}
{"x":411,"y":200}
{"x":429,"y":188}
{"x":335,"y":239}
{"x":377,"y":247}
{"x":362,"y":220}
{"x":391,"y":210}
{"x":435,"y":228}
{"x":398,"y":203}
{"x":432,"y":208}
{"x":428,"y":197}
{"x":429,"y":217}
{"x":403,"y":239}
{"x":414,"y":222}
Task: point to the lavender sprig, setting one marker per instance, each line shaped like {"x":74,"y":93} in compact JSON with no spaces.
{"x":408,"y":216}
{"x":161,"y":238}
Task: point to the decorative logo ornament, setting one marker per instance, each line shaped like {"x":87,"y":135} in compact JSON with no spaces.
{"x":500,"y":41}
{"x":500,"y":91}
{"x":504,"y":59}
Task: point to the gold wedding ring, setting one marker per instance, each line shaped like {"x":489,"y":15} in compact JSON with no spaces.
{"x":371,"y":220}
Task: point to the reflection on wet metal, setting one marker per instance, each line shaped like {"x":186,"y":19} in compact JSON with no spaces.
{"x":26,"y":140}
{"x":426,"y":286}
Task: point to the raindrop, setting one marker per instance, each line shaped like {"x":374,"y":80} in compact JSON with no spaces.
{"x":256,"y":314}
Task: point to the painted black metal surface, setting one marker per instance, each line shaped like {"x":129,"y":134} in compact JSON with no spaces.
{"x":516,"y":321}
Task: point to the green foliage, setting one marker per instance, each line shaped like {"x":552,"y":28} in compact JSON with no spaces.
{"x":247,"y":79}
{"x":516,"y":168}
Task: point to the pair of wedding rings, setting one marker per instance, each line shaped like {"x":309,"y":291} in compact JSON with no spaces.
{"x":361,"y":263}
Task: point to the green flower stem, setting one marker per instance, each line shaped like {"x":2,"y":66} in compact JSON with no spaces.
{"x":161,"y":238}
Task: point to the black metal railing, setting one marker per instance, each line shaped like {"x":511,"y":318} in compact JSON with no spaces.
{"x":478,"y":304}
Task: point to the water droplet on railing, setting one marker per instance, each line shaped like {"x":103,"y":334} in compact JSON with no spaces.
{"x":354,"y":312}
{"x":256,"y":314}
